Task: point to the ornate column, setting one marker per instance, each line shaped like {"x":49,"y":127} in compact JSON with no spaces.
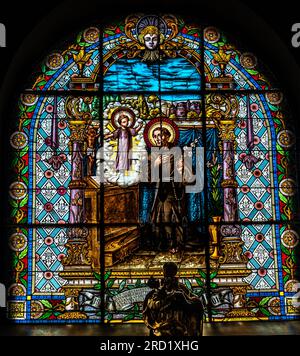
{"x":77,"y":263}
{"x":233,"y":264}
{"x":77,"y":244}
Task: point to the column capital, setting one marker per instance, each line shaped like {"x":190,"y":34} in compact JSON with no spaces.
{"x":226,"y":129}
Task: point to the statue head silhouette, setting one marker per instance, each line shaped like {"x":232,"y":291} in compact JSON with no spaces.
{"x":170,"y":269}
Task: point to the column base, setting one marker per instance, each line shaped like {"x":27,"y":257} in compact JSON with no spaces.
{"x":74,"y":315}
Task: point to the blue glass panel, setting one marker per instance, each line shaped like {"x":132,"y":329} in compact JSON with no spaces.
{"x":169,"y":75}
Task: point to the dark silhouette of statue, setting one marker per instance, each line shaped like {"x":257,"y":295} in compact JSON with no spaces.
{"x":171,"y":309}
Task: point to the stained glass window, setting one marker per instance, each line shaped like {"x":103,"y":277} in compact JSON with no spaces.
{"x":89,"y":227}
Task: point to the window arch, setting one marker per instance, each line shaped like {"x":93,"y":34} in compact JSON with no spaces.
{"x":68,"y":223}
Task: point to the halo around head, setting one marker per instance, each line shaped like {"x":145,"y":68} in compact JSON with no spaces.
{"x":152,"y":21}
{"x":159,"y":123}
{"x":117,"y":112}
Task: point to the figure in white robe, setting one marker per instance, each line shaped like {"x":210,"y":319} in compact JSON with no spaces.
{"x":124,"y":135}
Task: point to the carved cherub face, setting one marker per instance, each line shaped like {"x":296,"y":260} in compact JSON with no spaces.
{"x":151,"y":41}
{"x":151,"y":37}
{"x":92,"y":132}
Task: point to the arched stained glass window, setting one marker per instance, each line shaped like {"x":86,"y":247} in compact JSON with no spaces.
{"x":90,"y":227}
